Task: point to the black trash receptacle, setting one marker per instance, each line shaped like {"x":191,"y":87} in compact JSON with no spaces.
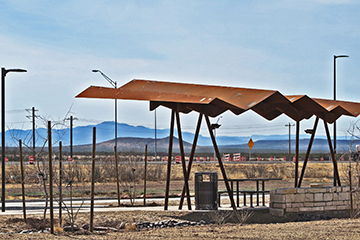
{"x":206,"y":189}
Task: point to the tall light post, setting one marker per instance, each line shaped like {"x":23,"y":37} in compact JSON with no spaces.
{"x":3,"y":75}
{"x":113,"y":83}
{"x":336,"y":57}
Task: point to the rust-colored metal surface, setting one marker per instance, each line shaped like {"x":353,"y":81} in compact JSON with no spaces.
{"x":129,"y":94}
{"x":328,"y":110}
{"x":214,"y":100}
{"x":207,"y":99}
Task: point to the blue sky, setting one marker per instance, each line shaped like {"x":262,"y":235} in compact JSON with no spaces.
{"x":280,"y":45}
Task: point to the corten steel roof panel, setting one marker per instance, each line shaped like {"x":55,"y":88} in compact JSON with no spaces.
{"x":329,"y":110}
{"x":353,"y":108}
{"x":214,"y":100}
{"x":119,"y":93}
{"x":244,"y":98}
{"x":220,"y":98}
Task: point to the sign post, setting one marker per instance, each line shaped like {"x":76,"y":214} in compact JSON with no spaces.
{"x":250,"y":144}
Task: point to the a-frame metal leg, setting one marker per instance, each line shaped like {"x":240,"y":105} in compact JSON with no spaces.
{"x":297,"y":153}
{"x":230,"y":193}
{"x":169,"y":161}
{"x":308,"y":151}
{"x":181,"y":145}
{"x":332,"y":154}
{"x":192,"y":153}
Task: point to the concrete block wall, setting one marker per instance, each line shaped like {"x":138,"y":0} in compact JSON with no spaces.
{"x":290,"y":200}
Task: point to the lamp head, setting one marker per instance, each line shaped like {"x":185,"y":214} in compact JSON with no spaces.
{"x":95,"y":70}
{"x":215,"y":126}
{"x":5,"y":71}
{"x":16,"y":70}
{"x":340,"y":56}
{"x":309,"y":131}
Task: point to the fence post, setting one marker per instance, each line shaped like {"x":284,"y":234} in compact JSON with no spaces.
{"x":22,"y":179}
{"x":51,"y":180}
{"x":92,"y":181}
{"x":60,"y":183}
{"x":145,"y":175}
{"x":351,"y":194}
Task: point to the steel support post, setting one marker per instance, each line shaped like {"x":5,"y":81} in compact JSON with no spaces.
{"x":169,"y":160}
{"x":181,"y":145}
{"x":308,"y":151}
{"x":192,"y":153}
{"x":336,"y":172}
{"x":297,"y":153}
{"x":220,"y":163}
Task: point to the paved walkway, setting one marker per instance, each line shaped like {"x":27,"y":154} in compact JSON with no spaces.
{"x":14,"y":207}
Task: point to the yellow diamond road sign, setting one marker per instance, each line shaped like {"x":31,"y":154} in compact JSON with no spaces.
{"x":250,"y":143}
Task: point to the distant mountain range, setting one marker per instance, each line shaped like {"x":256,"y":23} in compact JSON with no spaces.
{"x":136,"y":137}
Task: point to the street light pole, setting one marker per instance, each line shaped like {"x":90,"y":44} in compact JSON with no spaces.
{"x":113,"y":83}
{"x":336,"y":57}
{"x":3,"y":74}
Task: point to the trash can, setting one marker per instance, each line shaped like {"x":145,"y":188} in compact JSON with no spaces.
{"x":206,"y":189}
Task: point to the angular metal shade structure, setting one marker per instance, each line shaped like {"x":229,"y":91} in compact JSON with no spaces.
{"x":210,"y":100}
{"x":214,"y":100}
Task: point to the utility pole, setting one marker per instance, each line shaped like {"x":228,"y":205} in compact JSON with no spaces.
{"x":71,"y":135}
{"x":33,"y":116}
{"x":289,"y":125}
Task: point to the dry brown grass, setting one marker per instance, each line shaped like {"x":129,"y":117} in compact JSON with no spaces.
{"x":326,"y":229}
{"x":106,"y":180}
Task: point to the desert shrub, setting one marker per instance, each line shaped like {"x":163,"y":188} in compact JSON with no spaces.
{"x":220,"y":217}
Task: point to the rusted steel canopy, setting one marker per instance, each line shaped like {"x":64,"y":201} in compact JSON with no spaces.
{"x":210,"y":100}
{"x":214,"y":100}
{"x":328,"y":110}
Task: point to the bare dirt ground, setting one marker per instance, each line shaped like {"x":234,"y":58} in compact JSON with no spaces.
{"x":10,"y":226}
{"x":325,"y":229}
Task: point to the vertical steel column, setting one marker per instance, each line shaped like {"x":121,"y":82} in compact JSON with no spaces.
{"x":60,"y":183}
{"x":336,"y":172}
{"x":263,"y":192}
{"x":145,"y":173}
{"x":169,"y":160}
{"x":51,"y":180}
{"x":297,"y":153}
{"x":308,"y":151}
{"x":117,"y":174}
{"x":192,"y":153}
{"x":257,"y":193}
{"x":92,"y":181}
{"x":3,"y":73}
{"x":237,"y":194}
{"x":181,"y":145}
{"x":22,"y":180}
{"x":220,"y":163}
{"x":71,"y":137}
